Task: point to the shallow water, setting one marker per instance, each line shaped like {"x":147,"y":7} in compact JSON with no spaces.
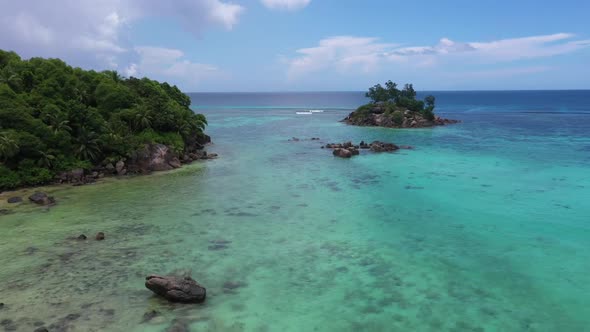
{"x":482,"y":227}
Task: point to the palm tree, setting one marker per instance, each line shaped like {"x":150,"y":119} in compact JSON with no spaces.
{"x":61,"y":126}
{"x":87,"y":145}
{"x":8,"y":147}
{"x":143,"y":119}
{"x":46,"y":159}
{"x":11,"y":78}
{"x":57,"y":123}
{"x":185,"y":128}
{"x":200,"y":120}
{"x":114,"y":75}
{"x":8,"y":76}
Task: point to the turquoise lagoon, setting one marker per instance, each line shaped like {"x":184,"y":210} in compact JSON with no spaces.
{"x":484,"y":226}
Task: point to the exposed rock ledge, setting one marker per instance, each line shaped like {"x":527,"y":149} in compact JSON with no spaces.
{"x":377,"y":116}
{"x":176,"y":289}
{"x":151,"y":158}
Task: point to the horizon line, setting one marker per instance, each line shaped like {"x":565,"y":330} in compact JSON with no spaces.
{"x":362,"y":91}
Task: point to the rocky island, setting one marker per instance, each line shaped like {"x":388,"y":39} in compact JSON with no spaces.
{"x":394,"y":108}
{"x":60,"y":124}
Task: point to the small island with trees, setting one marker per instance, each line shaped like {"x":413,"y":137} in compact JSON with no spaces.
{"x":395,"y":108}
{"x":69,"y":125}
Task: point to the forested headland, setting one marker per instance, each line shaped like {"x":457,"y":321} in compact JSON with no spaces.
{"x":55,"y":118}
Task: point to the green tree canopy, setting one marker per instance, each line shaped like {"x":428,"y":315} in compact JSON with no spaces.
{"x":54,"y":117}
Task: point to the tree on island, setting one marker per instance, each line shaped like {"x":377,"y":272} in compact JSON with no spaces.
{"x":396,"y":108}
{"x":393,"y":98}
{"x":55,"y":118}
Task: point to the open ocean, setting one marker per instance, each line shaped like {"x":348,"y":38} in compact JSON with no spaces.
{"x":484,"y":226}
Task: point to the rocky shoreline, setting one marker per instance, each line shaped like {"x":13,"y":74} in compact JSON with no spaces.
{"x":153,"y":158}
{"x":378,"y":115}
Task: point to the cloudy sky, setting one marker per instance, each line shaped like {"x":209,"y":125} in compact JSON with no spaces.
{"x":302,"y":45}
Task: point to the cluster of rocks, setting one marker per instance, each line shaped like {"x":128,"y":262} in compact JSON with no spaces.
{"x":296,"y":139}
{"x":99,"y":237}
{"x":159,"y":157}
{"x":152,"y":158}
{"x":377,"y":116}
{"x":39,"y":198}
{"x":347,"y":149}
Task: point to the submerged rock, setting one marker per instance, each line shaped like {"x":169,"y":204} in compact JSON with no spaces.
{"x":217,"y":246}
{"x":212,"y":156}
{"x":100,"y":236}
{"x":8,"y":325}
{"x":81,"y":237}
{"x":148,"y":316}
{"x":41,"y":329}
{"x":13,"y":200}
{"x":176,"y":289}
{"x":230,"y":287}
{"x":42,"y":198}
{"x":179,"y":325}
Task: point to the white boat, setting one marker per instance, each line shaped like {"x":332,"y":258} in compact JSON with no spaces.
{"x":316,"y":111}
{"x":307,"y":113}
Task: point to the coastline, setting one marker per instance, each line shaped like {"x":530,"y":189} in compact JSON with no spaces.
{"x":422,"y":232}
{"x":52,"y":188}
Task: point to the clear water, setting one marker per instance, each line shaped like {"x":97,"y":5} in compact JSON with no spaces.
{"x":483,"y":227}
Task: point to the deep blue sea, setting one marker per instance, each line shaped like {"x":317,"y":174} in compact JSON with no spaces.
{"x":483,"y":226}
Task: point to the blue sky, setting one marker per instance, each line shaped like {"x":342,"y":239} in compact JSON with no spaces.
{"x":303,"y":45}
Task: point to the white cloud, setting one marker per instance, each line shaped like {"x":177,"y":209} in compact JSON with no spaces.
{"x":91,"y":33}
{"x":342,"y":52}
{"x":286,"y":4}
{"x":346,"y":53}
{"x":500,"y":73}
{"x":170,"y":65}
{"x":195,"y":15}
{"x":224,"y":13}
{"x":74,"y":29}
{"x":32,"y":31}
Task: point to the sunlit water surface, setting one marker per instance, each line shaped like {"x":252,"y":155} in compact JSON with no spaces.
{"x":484,"y":226}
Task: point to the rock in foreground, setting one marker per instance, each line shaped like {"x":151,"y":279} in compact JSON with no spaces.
{"x":176,"y":289}
{"x":14,"y":200}
{"x":42,"y":198}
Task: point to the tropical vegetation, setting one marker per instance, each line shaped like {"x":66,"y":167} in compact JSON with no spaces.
{"x":54,"y":118}
{"x":394,"y":99}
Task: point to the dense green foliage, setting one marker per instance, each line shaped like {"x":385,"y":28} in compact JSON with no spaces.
{"x":54,"y":118}
{"x":394,"y":99}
